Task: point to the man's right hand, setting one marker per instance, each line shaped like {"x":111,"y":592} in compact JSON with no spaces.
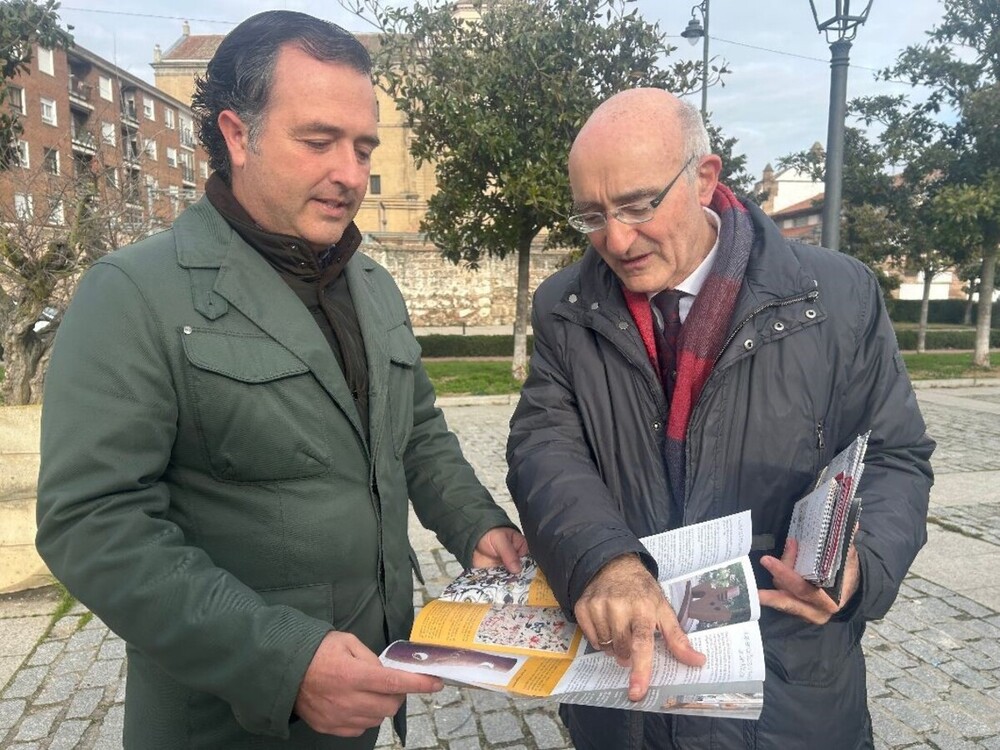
{"x":620,"y":610}
{"x":347,"y":691}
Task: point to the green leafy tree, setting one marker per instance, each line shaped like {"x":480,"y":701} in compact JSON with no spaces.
{"x":495,"y":101}
{"x":955,"y":129}
{"x":23,"y":23}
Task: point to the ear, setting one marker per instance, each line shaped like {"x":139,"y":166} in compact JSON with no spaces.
{"x":708,"y":177}
{"x":236,"y":135}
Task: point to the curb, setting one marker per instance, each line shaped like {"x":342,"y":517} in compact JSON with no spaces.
{"x":512,"y":398}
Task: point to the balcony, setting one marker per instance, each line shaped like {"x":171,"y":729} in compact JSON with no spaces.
{"x":83,"y":142}
{"x":129,"y":116}
{"x":187,"y":138}
{"x":80,"y":94}
{"x":131,"y":153}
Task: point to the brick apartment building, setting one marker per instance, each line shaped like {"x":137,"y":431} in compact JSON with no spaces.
{"x":88,"y":123}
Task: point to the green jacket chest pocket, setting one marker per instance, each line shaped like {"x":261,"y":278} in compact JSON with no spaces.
{"x":404,"y":352}
{"x":256,"y":406}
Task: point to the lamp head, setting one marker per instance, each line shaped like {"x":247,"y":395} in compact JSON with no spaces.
{"x":843,"y":24}
{"x":693,"y":32}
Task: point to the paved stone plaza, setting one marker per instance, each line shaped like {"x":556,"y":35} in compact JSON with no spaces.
{"x":934,"y":662}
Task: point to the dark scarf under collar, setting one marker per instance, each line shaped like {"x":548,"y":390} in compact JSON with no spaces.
{"x":704,"y":331}
{"x":290,"y":256}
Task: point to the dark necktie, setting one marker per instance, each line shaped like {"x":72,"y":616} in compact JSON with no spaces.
{"x":668,"y":303}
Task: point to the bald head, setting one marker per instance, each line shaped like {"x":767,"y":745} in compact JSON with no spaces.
{"x":664,"y":123}
{"x":645,"y":149}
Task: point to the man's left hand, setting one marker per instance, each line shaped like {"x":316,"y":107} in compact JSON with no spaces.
{"x":500,"y":546}
{"x":794,"y":595}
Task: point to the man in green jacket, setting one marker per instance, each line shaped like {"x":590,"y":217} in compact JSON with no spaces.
{"x":236,"y":416}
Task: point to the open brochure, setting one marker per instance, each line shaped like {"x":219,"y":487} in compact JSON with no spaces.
{"x":503,"y":631}
{"x":825,"y":520}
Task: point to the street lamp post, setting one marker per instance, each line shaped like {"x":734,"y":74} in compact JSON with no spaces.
{"x":840,"y":29}
{"x":693,"y":33}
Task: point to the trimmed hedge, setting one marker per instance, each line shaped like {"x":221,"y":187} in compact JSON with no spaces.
{"x":442,"y":345}
{"x":944,"y":339}
{"x":949,"y":311}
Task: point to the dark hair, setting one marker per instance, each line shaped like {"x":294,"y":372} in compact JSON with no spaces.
{"x":239,"y":75}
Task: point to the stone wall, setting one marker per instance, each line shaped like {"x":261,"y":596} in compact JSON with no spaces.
{"x":439,"y":293}
{"x":20,"y":566}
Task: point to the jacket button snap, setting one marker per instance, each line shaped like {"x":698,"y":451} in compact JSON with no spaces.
{"x":748,"y":344}
{"x":187,"y":330}
{"x":810,"y":314}
{"x":595,"y":305}
{"x":657,"y":426}
{"x":779,"y":326}
{"x":572,"y":298}
{"x":623,"y":325}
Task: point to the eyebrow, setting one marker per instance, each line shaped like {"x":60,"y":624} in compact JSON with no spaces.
{"x":632,"y":196}
{"x":320,"y":128}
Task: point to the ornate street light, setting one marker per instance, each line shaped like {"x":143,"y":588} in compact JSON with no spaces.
{"x":693,"y":33}
{"x":840,"y":29}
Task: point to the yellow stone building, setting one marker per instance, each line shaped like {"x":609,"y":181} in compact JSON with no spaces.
{"x":397,"y":192}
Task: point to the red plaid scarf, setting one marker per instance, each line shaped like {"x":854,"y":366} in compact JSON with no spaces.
{"x":705,"y":328}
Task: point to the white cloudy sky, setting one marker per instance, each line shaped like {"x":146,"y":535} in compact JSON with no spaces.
{"x":775,"y":101}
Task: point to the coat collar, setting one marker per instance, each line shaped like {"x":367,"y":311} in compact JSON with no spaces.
{"x":205,"y":240}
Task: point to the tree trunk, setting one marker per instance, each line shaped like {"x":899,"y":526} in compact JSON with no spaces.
{"x":925,"y":304}
{"x":981,"y":355}
{"x":26,"y":355}
{"x":519,"y":365}
{"x":967,"y":315}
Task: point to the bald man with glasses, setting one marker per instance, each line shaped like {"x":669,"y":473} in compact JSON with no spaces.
{"x":693,"y":364}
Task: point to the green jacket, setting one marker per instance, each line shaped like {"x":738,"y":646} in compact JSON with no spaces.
{"x":207,"y":491}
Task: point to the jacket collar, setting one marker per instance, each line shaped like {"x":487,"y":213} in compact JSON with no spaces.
{"x":204,"y":240}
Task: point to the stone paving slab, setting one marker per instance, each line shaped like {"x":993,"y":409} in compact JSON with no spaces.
{"x":934,"y":661}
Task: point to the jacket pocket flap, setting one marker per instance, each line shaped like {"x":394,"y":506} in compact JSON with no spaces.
{"x":403,"y":347}
{"x":249,"y":358}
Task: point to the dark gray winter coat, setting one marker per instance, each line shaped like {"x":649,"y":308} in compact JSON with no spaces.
{"x":812,"y":361}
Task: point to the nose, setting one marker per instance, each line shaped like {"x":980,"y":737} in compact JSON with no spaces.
{"x":618,"y":237}
{"x":347,"y":169}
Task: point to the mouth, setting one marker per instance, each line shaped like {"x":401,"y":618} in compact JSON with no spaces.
{"x":335,"y":207}
{"x":633,"y":264}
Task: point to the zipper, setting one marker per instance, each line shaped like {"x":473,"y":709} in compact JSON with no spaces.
{"x":808,"y":296}
{"x":820,"y":442}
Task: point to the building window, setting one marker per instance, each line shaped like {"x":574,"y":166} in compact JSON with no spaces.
{"x":51,"y":160}
{"x":111,"y":178}
{"x":376,"y":186}
{"x":187,"y":132}
{"x":151,"y":149}
{"x":23,"y":157}
{"x":24,"y":207}
{"x":148,"y":108}
{"x":171,"y":157}
{"x":168,"y":118}
{"x":49,"y":111}
{"x":46,"y":61}
{"x":203,"y":168}
{"x":104,"y":87}
{"x":108,"y":135}
{"x":57,"y":214}
{"x":15,"y":96}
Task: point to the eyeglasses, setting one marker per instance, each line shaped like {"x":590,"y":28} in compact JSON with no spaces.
{"x":631,"y":213}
